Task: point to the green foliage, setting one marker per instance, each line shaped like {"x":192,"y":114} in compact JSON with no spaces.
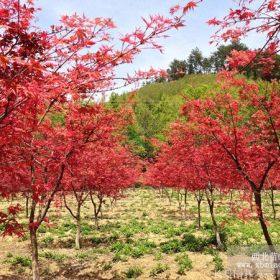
{"x":86,"y":229}
{"x":171,"y":246}
{"x":57,"y":119}
{"x":116,"y":101}
{"x":177,"y":69}
{"x":220,"y":55}
{"x":188,"y":243}
{"x":158,"y":256}
{"x":184,"y":263}
{"x":23,"y":261}
{"x":83,"y":255}
{"x":137,"y":141}
{"x":118,"y":257}
{"x":218,"y":263}
{"x":47,"y":241}
{"x":54,"y":256}
{"x":133,"y":249}
{"x":195,"y":62}
{"x":133,"y":272}
{"x":159,"y":268}
{"x":42,"y":229}
{"x":195,"y":244}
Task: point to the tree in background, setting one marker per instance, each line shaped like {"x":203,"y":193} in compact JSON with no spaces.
{"x":195,"y":62}
{"x":177,"y":69}
{"x":219,"y":57}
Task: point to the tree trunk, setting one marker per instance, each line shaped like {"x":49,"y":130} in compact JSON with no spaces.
{"x":273,"y":203}
{"x":168,"y":196}
{"x":199,"y":213}
{"x":185,"y":204}
{"x":96,"y":208}
{"x":213,"y":218}
{"x":96,"y":221}
{"x":34,"y":252}
{"x":78,"y":234}
{"x":258,"y":201}
{"x":198,"y":198}
{"x":27,"y":206}
{"x":34,"y":243}
{"x":179,"y":200}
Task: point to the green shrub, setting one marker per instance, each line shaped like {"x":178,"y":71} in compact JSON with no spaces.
{"x":21,"y":260}
{"x":119,"y":258}
{"x":54,"y":256}
{"x":86,"y":229}
{"x":184,"y":263}
{"x":47,"y":241}
{"x":133,"y":272}
{"x":42,"y":229}
{"x":194,"y":244}
{"x":218,"y":263}
{"x":121,"y":247}
{"x":158,"y":256}
{"x":172,"y":246}
{"x":160,"y":268}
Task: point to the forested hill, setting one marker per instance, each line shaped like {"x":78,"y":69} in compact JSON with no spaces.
{"x":156,"y":105}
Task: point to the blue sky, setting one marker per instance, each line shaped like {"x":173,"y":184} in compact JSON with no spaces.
{"x":127,"y":15}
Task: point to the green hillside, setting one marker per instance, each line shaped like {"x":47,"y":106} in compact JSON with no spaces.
{"x":157,"y":105}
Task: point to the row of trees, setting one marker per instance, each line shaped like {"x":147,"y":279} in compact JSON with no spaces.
{"x":230,"y":139}
{"x":196,"y":63}
{"x":224,"y":143}
{"x":55,"y":140}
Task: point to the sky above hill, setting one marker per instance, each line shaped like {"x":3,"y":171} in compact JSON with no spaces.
{"x":127,"y":15}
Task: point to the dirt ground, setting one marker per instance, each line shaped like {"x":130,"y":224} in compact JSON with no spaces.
{"x":135,"y":239}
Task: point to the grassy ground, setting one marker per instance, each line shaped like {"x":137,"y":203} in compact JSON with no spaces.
{"x":142,"y":236}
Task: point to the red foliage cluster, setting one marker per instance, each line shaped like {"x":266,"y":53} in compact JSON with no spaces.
{"x":50,"y":125}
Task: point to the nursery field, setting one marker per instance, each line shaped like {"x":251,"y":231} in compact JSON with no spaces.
{"x":143,"y":235}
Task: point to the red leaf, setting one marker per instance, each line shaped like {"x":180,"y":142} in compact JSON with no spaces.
{"x":190,"y":6}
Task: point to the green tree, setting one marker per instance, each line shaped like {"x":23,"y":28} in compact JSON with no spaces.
{"x":195,"y":62}
{"x":177,"y":69}
{"x":219,"y":57}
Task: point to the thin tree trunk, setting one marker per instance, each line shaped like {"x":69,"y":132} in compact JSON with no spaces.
{"x":34,"y":253}
{"x":27,"y":206}
{"x":199,"y":213}
{"x":185,"y":204}
{"x":258,"y":201}
{"x":168,"y":196}
{"x":273,"y":203}
{"x":34,"y":243}
{"x":198,"y":198}
{"x":179,"y":200}
{"x":78,"y":235}
{"x":211,"y":203}
{"x":96,"y":208}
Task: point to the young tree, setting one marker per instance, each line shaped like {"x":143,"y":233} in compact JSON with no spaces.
{"x":102,"y":170}
{"x":49,"y":72}
{"x":245,"y":129}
